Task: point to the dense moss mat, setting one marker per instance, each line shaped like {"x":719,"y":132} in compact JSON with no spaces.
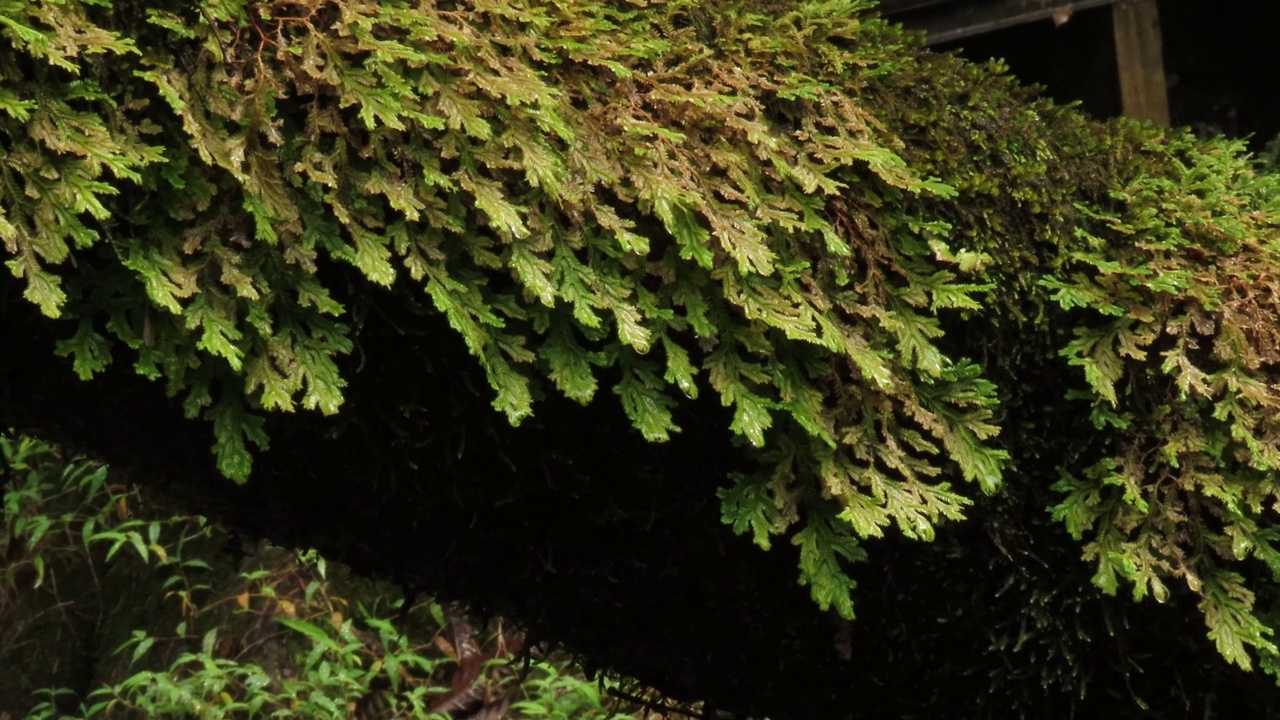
{"x":883,"y":313}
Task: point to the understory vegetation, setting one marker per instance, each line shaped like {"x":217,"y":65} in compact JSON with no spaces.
{"x":111,"y":606}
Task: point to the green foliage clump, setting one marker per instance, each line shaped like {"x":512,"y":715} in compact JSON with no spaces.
{"x":866,"y":254}
{"x":1177,"y":341}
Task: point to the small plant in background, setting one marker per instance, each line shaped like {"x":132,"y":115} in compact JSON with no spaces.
{"x":170,"y":625}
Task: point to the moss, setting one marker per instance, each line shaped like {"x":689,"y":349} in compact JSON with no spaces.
{"x":862,"y":291}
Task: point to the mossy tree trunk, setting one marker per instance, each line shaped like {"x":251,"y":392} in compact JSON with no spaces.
{"x":856,"y":301}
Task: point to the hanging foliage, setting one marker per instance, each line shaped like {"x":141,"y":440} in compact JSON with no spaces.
{"x":859,"y":250}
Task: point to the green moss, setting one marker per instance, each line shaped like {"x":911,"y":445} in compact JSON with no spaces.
{"x":866,"y":253}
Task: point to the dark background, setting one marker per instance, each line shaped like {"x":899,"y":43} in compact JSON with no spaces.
{"x":1220,"y":62}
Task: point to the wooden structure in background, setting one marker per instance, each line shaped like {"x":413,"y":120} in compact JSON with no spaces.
{"x":1143,"y":91}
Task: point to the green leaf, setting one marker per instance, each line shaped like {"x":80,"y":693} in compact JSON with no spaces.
{"x":684,"y":227}
{"x":506,"y":218}
{"x":1227,"y":606}
{"x":89,"y":351}
{"x":648,"y":407}
{"x":680,"y":372}
{"x":823,"y":551}
{"x":570,"y":364}
{"x":747,"y":507}
{"x":513,"y":398}
{"x":234,"y":429}
{"x":142,"y":648}
{"x":317,"y":636}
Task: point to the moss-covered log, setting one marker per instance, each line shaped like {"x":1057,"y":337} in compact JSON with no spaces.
{"x":526,"y":302}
